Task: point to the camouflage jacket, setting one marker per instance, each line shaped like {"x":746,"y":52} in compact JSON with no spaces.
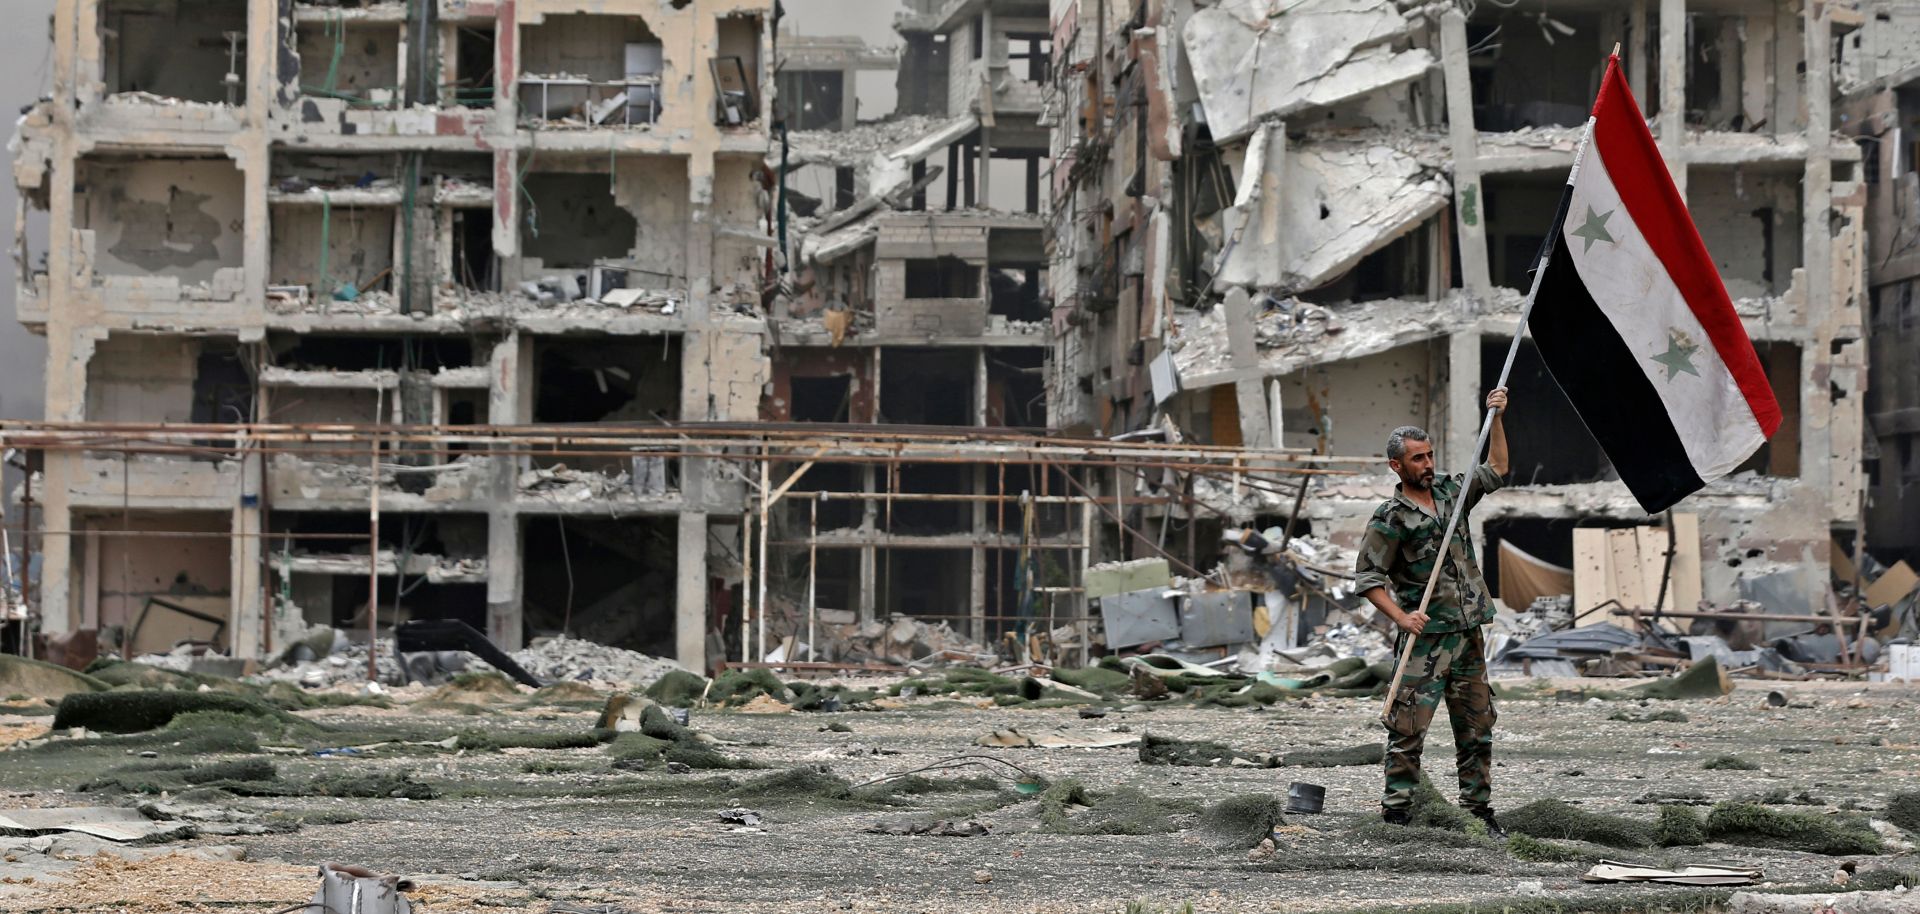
{"x":1401,"y":541}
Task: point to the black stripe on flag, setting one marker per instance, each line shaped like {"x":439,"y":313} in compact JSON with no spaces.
{"x":1603,"y":380}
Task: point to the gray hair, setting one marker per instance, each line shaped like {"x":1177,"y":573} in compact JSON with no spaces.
{"x":1397,"y":442}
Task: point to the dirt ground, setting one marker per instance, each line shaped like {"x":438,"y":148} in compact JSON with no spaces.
{"x":563,"y":829}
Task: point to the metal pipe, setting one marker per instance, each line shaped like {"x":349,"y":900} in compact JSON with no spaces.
{"x":882,"y":541}
{"x":1743,"y":617}
{"x":760,"y":611}
{"x":813,"y":566}
{"x":373,"y":559}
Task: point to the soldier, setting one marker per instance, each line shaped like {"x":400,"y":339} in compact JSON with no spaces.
{"x":1397,"y":556}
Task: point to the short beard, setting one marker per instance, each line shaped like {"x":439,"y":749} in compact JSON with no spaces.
{"x":1417,"y":483}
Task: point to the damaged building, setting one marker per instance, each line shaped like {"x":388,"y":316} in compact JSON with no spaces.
{"x":348,"y":214}
{"x":643,"y":320}
{"x":1304,"y":224}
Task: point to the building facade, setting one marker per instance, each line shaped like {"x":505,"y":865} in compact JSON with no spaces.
{"x":466,"y":212}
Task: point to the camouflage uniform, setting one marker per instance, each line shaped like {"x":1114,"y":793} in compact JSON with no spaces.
{"x":1449,"y":655}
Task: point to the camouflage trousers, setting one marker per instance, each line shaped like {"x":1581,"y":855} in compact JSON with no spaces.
{"x":1452,"y":665}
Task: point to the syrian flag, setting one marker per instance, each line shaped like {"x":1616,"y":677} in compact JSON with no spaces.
{"x":1631,"y":318}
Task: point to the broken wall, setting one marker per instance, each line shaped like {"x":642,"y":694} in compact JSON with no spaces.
{"x":737,"y":212}
{"x":1888,"y":43}
{"x":137,"y":378}
{"x":821,"y":385}
{"x":583,"y":45}
{"x":181,"y":218}
{"x":357,"y":59}
{"x":323,"y":248}
{"x":329,"y":406}
{"x":1351,"y":406}
{"x":124,"y":572}
{"x":1751,"y":222}
{"x":173,"y":48}
{"x":637,"y":213}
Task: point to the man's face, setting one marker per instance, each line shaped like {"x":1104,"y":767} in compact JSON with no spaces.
{"x":1415,"y":466}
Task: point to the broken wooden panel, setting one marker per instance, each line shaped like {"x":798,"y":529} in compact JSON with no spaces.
{"x":1256,"y":59}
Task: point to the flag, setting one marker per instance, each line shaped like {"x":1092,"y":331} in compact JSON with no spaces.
{"x":1632,"y":320}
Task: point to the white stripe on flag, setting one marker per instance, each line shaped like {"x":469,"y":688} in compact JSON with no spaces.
{"x":1632,"y":288}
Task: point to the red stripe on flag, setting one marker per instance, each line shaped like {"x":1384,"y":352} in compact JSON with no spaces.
{"x":1624,"y":143}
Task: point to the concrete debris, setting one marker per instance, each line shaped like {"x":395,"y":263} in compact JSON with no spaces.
{"x":1336,"y":643}
{"x":1258,"y":59}
{"x":1696,"y":874}
{"x":858,"y":146}
{"x":1011,"y":738}
{"x":563,"y":659}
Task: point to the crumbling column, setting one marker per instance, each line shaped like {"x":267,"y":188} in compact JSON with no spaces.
{"x":510,"y":398}
{"x":1673,"y":89}
{"x":1784,"y":107}
{"x":1817,"y":467}
{"x":1249,"y":391}
{"x":977,"y":591}
{"x":1463,"y":401}
{"x":986,"y":163}
{"x":869,"y":555}
{"x":251,"y":620}
{"x":1468,"y":203}
{"x":690,"y":593}
{"x":506,"y":67}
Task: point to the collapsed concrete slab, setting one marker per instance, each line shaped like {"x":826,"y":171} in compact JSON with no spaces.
{"x":1307,"y":214}
{"x":1259,"y":59}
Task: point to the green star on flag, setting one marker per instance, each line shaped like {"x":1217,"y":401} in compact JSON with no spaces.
{"x":1678,"y":357}
{"x":1594,"y":229}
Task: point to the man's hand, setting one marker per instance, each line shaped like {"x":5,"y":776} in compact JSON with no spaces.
{"x":1497,"y":400}
{"x":1413,"y":623}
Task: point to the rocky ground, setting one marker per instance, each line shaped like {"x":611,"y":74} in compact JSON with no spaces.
{"x":575,"y":828}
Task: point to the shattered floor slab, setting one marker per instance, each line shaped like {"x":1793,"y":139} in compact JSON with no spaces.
{"x":1334,"y":203}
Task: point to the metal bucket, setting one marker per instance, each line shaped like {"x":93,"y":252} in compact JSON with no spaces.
{"x":1303,"y":797}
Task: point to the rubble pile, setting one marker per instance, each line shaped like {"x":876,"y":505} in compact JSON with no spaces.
{"x":564,"y":659}
{"x":345,"y":663}
{"x":563,"y":484}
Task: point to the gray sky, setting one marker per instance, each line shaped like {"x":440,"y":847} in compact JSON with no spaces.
{"x":26,"y":61}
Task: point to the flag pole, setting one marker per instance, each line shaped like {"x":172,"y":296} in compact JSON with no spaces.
{"x":1486,"y":424}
